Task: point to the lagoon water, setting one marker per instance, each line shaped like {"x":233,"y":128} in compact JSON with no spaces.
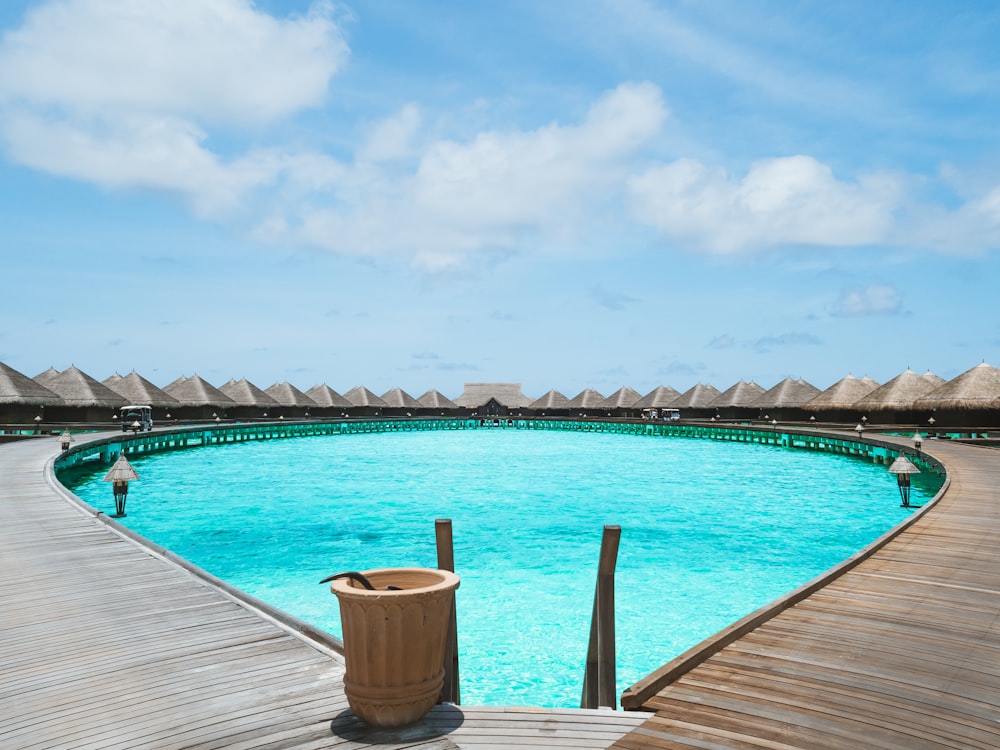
{"x":710,"y":532}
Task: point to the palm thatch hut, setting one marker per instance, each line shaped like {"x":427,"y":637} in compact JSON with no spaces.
{"x":329,"y":403}
{"x":968,"y":400}
{"x":84,"y":399}
{"x":364,"y":402}
{"x":622,"y":402}
{"x":587,"y":401}
{"x":550,"y":404}
{"x":493,"y":399}
{"x":735,"y":402}
{"x":251,"y":401}
{"x":435,"y":403}
{"x":786,"y":400}
{"x":135,"y":389}
{"x":294,"y":403}
{"x":199,"y":399}
{"x":21,"y":398}
{"x":895,"y":402}
{"x":658,"y":398}
{"x":836,"y":403}
{"x":694,"y":402}
{"x":400,"y":403}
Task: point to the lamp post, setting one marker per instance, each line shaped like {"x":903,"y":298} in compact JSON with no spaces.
{"x":902,"y":467}
{"x":860,"y":428}
{"x":918,"y":441}
{"x":38,"y":425}
{"x":120,"y":475}
{"x":65,"y":439}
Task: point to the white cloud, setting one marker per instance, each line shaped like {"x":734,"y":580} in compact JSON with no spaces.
{"x":121,"y":94}
{"x":215,"y":60}
{"x":392,"y":138}
{"x":784,"y":201}
{"x":479,"y":197}
{"x":876,"y":299}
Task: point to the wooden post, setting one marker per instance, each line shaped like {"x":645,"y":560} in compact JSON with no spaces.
{"x":450,"y":692}
{"x":599,"y":678}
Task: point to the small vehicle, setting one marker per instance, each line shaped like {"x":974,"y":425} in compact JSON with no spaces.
{"x":136,"y":418}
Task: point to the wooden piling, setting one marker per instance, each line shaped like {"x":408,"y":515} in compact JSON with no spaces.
{"x":450,"y":692}
{"x":599,"y":678}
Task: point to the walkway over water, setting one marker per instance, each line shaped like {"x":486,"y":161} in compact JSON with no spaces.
{"x":104,"y":645}
{"x":902,"y":651}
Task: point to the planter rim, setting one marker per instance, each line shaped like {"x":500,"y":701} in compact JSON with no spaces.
{"x":443,"y":581}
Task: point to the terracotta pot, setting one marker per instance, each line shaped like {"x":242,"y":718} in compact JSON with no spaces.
{"x":394,"y":642}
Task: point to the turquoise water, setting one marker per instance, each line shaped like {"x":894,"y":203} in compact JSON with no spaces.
{"x":710,"y":532}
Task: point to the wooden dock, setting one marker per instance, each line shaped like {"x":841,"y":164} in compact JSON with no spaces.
{"x":104,"y":645}
{"x":900,"y":652}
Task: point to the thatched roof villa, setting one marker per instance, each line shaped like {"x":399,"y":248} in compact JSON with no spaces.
{"x":82,"y":396}
{"x":328,"y":400}
{"x":658,"y":398}
{"x":735,"y":401}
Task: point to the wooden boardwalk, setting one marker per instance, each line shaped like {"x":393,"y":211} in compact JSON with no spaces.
{"x":104,"y":645}
{"x":900,"y":652}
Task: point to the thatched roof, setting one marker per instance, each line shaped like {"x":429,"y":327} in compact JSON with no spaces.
{"x":287,"y":394}
{"x":696,"y":397}
{"x":77,"y":388}
{"x":588,"y":398}
{"x":135,"y":389}
{"x":361,"y":396}
{"x":436,"y":400}
{"x":44,"y":378}
{"x":195,"y":391}
{"x":788,"y":394}
{"x":978,"y":388}
{"x":739,"y":394}
{"x":899,"y":393}
{"x":623,"y":398}
{"x":478,"y":394}
{"x":399,"y":398}
{"x":843,"y":394}
{"x":658,"y":397}
{"x":325,"y":396}
{"x":933,"y":378}
{"x":245,"y":393}
{"x":551,"y":400}
{"x":18,"y":388}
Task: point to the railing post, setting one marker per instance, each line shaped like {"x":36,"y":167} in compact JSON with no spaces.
{"x":446,"y":561}
{"x":599,"y":687}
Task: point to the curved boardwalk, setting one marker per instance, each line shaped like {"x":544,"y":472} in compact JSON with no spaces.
{"x":103,"y":645}
{"x":902,"y":651}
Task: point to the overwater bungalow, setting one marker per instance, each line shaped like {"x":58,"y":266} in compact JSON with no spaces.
{"x":895,"y":401}
{"x":84,"y":399}
{"x":493,"y":399}
{"x":251,"y":402}
{"x":399,"y":403}
{"x":970,"y":399}
{"x":23,"y":399}
{"x":586,"y":402}
{"x":364,"y":403}
{"x":329,"y":403}
{"x":434,"y":404}
{"x":551,"y":404}
{"x":136,"y":389}
{"x":199,"y":399}
{"x":694,"y":402}
{"x":734,"y":403}
{"x":294,"y":404}
{"x":836,"y":403}
{"x":785,"y":401}
{"x":622,"y":402}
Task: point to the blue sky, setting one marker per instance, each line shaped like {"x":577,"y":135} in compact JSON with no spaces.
{"x":565,"y":194}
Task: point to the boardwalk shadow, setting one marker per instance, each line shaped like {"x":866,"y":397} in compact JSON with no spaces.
{"x":443,"y":719}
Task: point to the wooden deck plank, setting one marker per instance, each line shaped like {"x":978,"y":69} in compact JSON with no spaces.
{"x":902,"y":651}
{"x":105,"y":645}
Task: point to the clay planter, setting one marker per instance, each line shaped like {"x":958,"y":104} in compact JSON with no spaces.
{"x":394,"y":642}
